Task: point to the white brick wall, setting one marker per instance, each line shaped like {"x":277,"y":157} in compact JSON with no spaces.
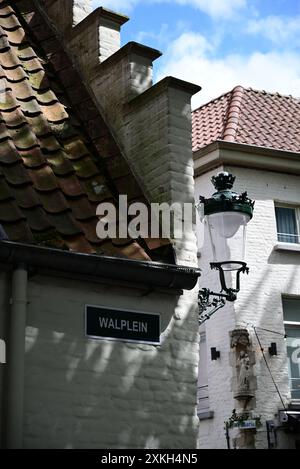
{"x":109,"y":39}
{"x":83,"y":393}
{"x":272,"y":274}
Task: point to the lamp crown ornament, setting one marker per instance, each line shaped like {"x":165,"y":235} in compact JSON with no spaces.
{"x":223,"y":181}
{"x":225,"y":199}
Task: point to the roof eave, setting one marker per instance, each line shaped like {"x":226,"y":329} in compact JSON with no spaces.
{"x":221,"y":152}
{"x":137,"y":273}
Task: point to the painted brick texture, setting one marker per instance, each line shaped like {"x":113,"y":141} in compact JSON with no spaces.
{"x":84,"y":393}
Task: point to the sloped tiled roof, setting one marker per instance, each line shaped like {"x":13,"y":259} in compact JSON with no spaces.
{"x":250,"y":117}
{"x":58,"y":160}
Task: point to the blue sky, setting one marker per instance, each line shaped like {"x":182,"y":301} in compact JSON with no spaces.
{"x":219,"y":44}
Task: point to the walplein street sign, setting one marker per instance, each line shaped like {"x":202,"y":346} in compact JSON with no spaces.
{"x":122,"y":325}
{"x":245,"y":424}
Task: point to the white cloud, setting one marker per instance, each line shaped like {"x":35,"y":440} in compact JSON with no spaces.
{"x":214,"y":8}
{"x":278,"y":29}
{"x":161,"y":36}
{"x":190,"y":58}
{"x":116,"y":5}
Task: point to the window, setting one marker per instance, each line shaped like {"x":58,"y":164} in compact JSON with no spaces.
{"x":291,"y":310}
{"x":288,"y":223}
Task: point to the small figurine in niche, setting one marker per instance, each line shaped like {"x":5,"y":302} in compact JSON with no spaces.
{"x":240,"y":337}
{"x":244,"y":371}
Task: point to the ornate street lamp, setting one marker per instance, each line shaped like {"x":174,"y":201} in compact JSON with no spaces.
{"x":226,"y":215}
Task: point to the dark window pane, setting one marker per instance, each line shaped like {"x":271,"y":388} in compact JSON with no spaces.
{"x":286,"y":225}
{"x":291,"y":308}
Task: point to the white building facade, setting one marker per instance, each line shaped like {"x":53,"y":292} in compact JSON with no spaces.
{"x":88,"y":113}
{"x":267,"y":311}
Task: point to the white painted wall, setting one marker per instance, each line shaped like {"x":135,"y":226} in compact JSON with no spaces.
{"x":84,"y":393}
{"x":272,"y":274}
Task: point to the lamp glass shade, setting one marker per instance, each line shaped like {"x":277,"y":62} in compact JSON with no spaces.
{"x":227,"y":233}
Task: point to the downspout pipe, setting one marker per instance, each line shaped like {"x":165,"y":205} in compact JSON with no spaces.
{"x":15,"y":358}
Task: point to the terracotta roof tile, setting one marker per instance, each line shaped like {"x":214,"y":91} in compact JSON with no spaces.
{"x":70,"y":186}
{"x":53,"y":202}
{"x":89,"y":229}
{"x":15,"y":174}
{"x":65,"y":223}
{"x":58,"y":159}
{"x":80,"y":244}
{"x":26,"y":196}
{"x":250,"y":117}
{"x":5,"y":192}
{"x":82,"y":208}
{"x":9,"y":212}
{"x":32,"y":158}
{"x":19,"y":231}
{"x":37,"y":219}
{"x":8,"y":152}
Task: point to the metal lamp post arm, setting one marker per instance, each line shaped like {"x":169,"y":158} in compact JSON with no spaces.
{"x":204,"y":302}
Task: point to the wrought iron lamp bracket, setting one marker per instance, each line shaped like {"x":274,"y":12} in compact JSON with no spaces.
{"x":212,"y":301}
{"x":215,"y":303}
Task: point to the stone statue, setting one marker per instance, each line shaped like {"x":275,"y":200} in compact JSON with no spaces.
{"x":240,"y":338}
{"x":244,"y":372}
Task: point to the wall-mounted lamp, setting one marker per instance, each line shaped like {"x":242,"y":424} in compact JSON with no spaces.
{"x":226,"y":214}
{"x":273,"y":349}
{"x":215,"y":354}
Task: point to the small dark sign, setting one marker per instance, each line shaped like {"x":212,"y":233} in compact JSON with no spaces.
{"x":125,"y":325}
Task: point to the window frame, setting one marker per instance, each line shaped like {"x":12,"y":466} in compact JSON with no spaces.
{"x":287,"y":325}
{"x":296,"y":208}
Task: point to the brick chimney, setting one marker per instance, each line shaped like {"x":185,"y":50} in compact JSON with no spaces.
{"x":151,"y":122}
{"x":91,"y":36}
{"x":65,"y":14}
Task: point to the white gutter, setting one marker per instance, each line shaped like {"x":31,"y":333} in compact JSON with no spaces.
{"x":15,"y":359}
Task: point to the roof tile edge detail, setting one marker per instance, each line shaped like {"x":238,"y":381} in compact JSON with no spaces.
{"x":233,"y":115}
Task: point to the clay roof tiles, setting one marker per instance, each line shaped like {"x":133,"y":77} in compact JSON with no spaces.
{"x":58,"y":160}
{"x":249,"y":117}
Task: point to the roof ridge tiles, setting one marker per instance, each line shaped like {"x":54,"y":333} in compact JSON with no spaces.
{"x":233,"y":114}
